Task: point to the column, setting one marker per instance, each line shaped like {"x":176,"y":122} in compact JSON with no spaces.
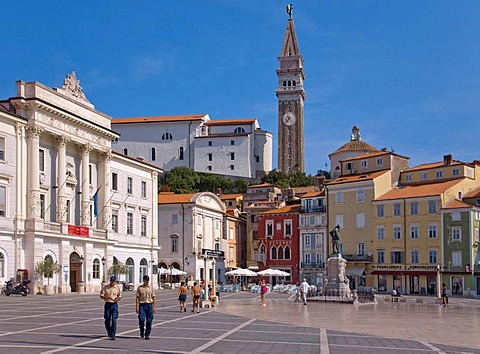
{"x":104,"y":209}
{"x":85,"y":186}
{"x":33,"y":145}
{"x":61,"y":178}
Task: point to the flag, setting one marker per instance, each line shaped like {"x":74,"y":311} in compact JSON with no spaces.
{"x":95,"y":204}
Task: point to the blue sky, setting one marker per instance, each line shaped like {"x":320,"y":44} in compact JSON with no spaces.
{"x":407,"y":72}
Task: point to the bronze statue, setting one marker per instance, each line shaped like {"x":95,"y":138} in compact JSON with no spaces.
{"x":289,"y":10}
{"x":335,"y":238}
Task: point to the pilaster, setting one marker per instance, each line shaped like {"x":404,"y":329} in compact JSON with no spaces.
{"x":33,"y":145}
{"x":62,"y":142}
{"x":85,"y":218}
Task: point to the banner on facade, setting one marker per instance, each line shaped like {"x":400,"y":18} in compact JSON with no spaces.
{"x":78,"y":230}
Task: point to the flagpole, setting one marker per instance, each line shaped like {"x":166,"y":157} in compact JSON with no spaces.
{"x":103,"y":208}
{"x":128,"y":195}
{"x":54,"y":187}
{"x":71,"y":200}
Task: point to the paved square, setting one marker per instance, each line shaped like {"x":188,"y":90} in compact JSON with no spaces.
{"x":74,"y":324}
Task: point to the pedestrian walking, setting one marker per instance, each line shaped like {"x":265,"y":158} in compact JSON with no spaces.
{"x":182,"y":296}
{"x":111,"y":294}
{"x":145,"y":307}
{"x":196,"y":292}
{"x":211,"y":295}
{"x":444,"y":294}
{"x":263,"y":293}
{"x":298,"y":294}
{"x":304,"y":287}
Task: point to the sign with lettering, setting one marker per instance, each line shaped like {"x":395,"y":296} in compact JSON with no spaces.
{"x":213,"y":253}
{"x":78,"y":230}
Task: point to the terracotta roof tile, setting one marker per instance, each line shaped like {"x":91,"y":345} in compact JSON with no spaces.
{"x":457,"y":204}
{"x":475,"y":193}
{"x":355,"y":145}
{"x":230,"y":196}
{"x":156,"y":119}
{"x":284,"y":210}
{"x":313,"y":194}
{"x":171,"y":198}
{"x":432,"y":165}
{"x":260,"y":185}
{"x":356,"y":178}
{"x":421,"y":190}
{"x":245,"y":121}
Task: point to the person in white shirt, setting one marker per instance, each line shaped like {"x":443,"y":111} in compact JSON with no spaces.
{"x":304,"y":289}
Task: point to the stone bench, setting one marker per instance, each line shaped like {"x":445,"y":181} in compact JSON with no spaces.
{"x":395,"y":298}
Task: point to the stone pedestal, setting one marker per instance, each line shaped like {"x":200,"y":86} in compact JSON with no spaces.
{"x":337,"y":283}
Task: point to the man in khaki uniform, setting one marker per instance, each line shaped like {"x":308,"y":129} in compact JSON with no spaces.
{"x":145,"y":307}
{"x":111,"y":294}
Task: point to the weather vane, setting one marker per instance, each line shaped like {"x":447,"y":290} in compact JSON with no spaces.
{"x":290,"y":10}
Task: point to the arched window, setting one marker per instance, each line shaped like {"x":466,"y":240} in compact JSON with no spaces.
{"x":181,"y":153}
{"x":273,"y":253}
{"x":96,"y":269}
{"x":287,"y":252}
{"x":2,"y":265}
{"x":289,"y":83}
{"x":167,"y":136}
{"x":262,"y":249}
{"x":131,"y":270}
{"x":239,"y":130}
{"x":143,"y":270}
{"x":284,"y":83}
{"x":294,"y":83}
{"x":48,"y":258}
{"x":280,"y":252}
{"x":125,"y":151}
{"x":154,"y":154}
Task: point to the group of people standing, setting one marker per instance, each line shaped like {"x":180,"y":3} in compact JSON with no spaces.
{"x":196,"y":295}
{"x":144,"y":306}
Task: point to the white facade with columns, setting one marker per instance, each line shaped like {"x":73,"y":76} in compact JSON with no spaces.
{"x":62,"y":158}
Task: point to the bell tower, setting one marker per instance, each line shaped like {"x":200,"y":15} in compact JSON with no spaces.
{"x":291,"y":97}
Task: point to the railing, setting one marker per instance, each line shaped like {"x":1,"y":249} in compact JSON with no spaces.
{"x":52,"y":226}
{"x":310,"y":265}
{"x":351,"y":257}
{"x":260,"y":257}
{"x":316,"y":209}
{"x":98,"y":233}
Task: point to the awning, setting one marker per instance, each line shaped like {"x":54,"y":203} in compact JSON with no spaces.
{"x":254,"y":268}
{"x":354,"y":270}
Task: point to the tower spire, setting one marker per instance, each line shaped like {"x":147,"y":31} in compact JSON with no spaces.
{"x":291,"y":96}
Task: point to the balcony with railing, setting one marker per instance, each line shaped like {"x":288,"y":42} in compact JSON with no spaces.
{"x":358,"y":258}
{"x":314,"y":209}
{"x":312,"y":265}
{"x":260,"y":257}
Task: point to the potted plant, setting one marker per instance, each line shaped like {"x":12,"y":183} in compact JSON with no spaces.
{"x":118,"y":268}
{"x":46,"y":269}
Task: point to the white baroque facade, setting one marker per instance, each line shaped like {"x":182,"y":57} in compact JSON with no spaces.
{"x":236,"y":147}
{"x":59,"y":190}
{"x":188,"y":224}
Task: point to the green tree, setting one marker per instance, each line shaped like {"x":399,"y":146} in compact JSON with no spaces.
{"x":284,"y":180}
{"x":118,"y":268}
{"x":324,"y":173}
{"x":47,"y":268}
{"x":182,"y":180}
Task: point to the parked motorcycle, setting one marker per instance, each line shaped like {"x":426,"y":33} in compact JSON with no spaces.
{"x":20,"y":289}
{"x":127,"y":286}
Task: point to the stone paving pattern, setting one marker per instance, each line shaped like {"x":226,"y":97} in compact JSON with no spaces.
{"x":74,"y":323}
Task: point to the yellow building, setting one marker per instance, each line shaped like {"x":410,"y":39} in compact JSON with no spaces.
{"x":407,"y":242}
{"x":363,"y":178}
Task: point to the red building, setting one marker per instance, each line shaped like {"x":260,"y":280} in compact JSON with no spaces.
{"x":278,"y":241}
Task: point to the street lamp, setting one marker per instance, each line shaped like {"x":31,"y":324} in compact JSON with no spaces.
{"x":81,"y":268}
{"x":104,"y":261}
{"x":439,"y":267}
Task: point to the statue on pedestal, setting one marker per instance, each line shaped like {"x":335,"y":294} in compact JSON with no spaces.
{"x":335,"y":238}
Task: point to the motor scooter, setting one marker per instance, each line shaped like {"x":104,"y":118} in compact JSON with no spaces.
{"x":127,"y":286}
{"x":20,"y":289}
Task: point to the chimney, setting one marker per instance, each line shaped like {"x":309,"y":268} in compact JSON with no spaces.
{"x":219,"y":191}
{"x":447,"y":160}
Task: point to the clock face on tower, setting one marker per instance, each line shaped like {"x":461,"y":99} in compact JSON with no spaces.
{"x":289,"y":118}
